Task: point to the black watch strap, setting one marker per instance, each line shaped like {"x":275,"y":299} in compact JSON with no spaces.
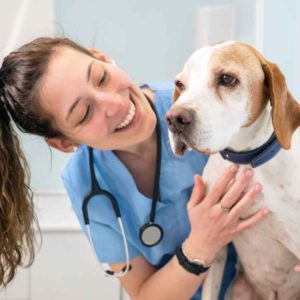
{"x":191,"y":267}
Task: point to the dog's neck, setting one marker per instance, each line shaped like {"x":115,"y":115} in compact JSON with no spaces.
{"x":255,"y":135}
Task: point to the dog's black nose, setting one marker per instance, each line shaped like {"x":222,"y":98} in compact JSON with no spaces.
{"x":179,"y":119}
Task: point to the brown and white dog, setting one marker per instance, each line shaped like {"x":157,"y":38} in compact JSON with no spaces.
{"x":230,"y":96}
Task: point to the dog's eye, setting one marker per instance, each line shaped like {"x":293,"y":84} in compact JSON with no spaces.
{"x":227,"y":80}
{"x":179,"y":85}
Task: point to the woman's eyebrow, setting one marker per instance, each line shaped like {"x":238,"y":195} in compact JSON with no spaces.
{"x":88,"y":77}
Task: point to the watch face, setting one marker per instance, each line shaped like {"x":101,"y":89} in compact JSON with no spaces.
{"x":200,"y":262}
{"x":196,"y":261}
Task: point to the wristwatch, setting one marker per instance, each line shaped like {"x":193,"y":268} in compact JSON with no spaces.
{"x":193,"y":265}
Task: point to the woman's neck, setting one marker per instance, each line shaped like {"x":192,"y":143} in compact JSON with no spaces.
{"x":140,"y":150}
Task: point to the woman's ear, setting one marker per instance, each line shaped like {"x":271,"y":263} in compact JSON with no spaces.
{"x":99,"y":55}
{"x":63,"y":145}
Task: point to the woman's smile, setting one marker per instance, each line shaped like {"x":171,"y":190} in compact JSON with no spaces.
{"x":133,"y":116}
{"x":129,"y":117}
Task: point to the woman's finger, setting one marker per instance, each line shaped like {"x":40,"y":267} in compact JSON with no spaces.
{"x":251,"y":221}
{"x":197,"y":193}
{"x":232,"y":195}
{"x":220,"y":186}
{"x":246,"y":201}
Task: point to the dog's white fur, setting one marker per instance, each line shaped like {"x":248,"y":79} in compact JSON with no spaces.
{"x":243,"y":117}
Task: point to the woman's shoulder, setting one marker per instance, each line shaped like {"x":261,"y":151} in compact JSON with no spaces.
{"x":163,"y":85}
{"x":77,"y":161}
{"x":75,"y":174}
{"x":156,"y":89}
{"x":161,"y":92}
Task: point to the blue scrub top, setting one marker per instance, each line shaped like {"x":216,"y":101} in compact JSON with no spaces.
{"x":176,"y":182}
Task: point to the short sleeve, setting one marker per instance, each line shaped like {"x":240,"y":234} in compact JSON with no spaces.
{"x":108,"y":242}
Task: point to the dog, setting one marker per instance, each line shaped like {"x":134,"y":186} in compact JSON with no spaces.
{"x":232,"y":103}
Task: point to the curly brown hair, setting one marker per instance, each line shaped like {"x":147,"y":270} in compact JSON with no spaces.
{"x":20,"y":74}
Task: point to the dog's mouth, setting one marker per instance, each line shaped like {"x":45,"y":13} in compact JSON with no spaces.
{"x":179,"y":147}
{"x":181,"y":144}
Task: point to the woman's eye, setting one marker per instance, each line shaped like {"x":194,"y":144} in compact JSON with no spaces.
{"x":228,"y":80}
{"x":85,"y":116}
{"x":179,"y":85}
{"x":102,"y":78}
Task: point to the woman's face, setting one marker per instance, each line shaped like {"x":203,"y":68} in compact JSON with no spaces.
{"x":94,"y":102}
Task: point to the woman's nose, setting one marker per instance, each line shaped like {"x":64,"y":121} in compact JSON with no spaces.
{"x":112,"y":103}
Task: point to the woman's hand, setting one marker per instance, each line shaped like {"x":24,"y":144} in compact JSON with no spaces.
{"x":216,"y":217}
{"x":297,"y":268}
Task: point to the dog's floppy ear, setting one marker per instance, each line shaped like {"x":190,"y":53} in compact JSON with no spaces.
{"x":285,"y":109}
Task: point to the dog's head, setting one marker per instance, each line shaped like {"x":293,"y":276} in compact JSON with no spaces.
{"x":222,"y":89}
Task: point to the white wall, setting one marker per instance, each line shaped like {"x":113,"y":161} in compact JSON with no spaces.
{"x":20,"y":22}
{"x":23,"y":20}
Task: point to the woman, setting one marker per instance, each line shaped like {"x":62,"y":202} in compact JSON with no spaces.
{"x":78,"y":98}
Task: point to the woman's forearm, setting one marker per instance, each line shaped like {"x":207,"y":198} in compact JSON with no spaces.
{"x":170,"y":282}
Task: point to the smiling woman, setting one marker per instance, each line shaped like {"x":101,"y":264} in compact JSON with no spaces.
{"x":99,"y":101}
{"x":75,"y":97}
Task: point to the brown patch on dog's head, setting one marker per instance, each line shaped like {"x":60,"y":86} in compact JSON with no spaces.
{"x":237,"y":61}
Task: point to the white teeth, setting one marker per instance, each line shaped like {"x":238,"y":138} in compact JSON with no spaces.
{"x":128,"y":118}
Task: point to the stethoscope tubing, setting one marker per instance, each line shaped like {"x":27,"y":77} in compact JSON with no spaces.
{"x":96,"y":190}
{"x":105,"y":267}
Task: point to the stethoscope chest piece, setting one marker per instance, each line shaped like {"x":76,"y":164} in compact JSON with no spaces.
{"x":151,"y":234}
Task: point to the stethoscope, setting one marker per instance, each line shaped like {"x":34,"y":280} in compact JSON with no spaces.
{"x":150,"y":233}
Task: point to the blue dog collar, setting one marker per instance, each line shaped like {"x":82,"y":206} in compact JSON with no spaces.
{"x":255,"y":157}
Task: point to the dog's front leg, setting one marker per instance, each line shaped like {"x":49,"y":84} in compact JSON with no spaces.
{"x":213,"y":280}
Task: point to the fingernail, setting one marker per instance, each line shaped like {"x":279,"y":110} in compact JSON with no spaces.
{"x":234,"y":168}
{"x":257,"y":187}
{"x":297,"y":268}
{"x":249,"y":172}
